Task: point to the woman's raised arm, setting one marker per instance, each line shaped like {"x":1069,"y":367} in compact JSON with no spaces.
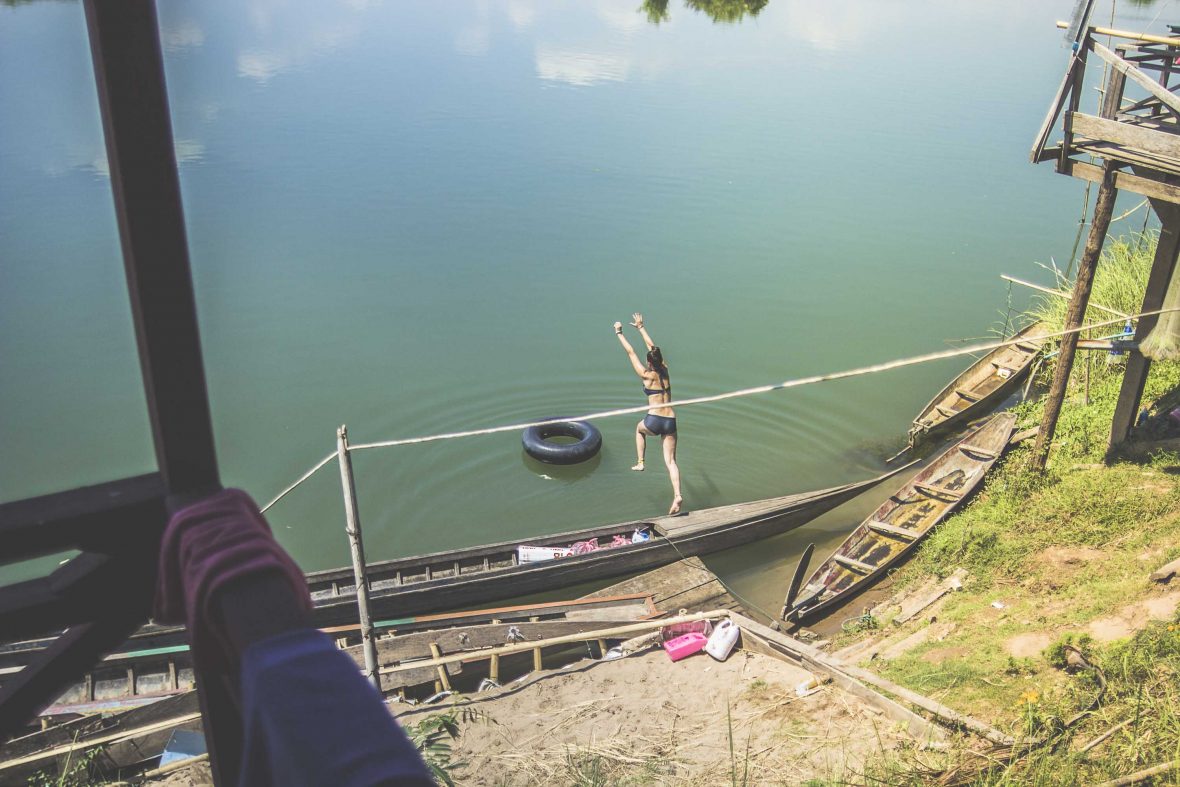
{"x":637,"y":321}
{"x":635,"y":363}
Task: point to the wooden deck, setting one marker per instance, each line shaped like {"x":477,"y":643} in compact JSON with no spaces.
{"x":686,"y":584}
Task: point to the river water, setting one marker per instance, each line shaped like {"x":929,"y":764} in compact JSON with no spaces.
{"x":415,"y":218}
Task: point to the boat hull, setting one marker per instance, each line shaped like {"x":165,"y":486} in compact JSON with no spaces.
{"x":983,"y":382}
{"x":893,"y":531}
{"x":673,"y":538}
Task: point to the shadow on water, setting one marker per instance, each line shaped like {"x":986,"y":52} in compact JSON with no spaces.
{"x":569,"y":474}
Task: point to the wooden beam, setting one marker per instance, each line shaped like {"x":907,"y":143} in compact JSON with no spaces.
{"x":1169,"y":99}
{"x":1137,"y":182}
{"x":1063,"y":91}
{"x":1103,"y":208}
{"x":1135,"y":374}
{"x":1159,"y":143}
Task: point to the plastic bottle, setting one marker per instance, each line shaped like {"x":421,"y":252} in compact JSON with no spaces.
{"x":1128,"y":333}
{"x":722,"y":640}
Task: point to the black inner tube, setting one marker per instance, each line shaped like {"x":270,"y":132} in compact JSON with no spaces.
{"x":536,"y":442}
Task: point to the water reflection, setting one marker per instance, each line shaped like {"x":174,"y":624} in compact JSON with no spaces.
{"x":723,"y":11}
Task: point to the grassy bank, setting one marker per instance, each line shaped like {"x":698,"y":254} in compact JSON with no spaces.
{"x":1056,"y":559}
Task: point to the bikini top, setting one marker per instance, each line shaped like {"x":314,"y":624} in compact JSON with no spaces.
{"x":654,"y":391}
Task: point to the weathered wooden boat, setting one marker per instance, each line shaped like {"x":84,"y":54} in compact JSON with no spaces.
{"x":156,"y":662}
{"x":982,"y":387}
{"x":893,"y":531}
{"x":459,"y":578}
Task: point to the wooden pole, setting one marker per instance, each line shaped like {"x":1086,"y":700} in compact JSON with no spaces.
{"x":443,"y":679}
{"x":1138,"y":365}
{"x":353,"y":526}
{"x":1103,"y":210}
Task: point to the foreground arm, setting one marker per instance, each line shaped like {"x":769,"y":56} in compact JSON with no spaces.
{"x":635,"y":363}
{"x":307,"y":716}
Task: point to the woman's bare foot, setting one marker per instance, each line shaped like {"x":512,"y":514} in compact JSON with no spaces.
{"x":639,"y":466}
{"x":676,"y":503}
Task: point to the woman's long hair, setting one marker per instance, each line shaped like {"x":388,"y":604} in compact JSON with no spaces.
{"x":655,"y":362}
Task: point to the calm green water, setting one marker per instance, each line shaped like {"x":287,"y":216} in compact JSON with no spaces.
{"x":414,"y":218}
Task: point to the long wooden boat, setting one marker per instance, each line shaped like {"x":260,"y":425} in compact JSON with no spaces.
{"x":893,"y":531}
{"x":981,"y":387}
{"x":156,"y":662}
{"x":459,"y":578}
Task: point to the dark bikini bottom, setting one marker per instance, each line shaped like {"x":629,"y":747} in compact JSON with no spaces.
{"x":660,"y":424}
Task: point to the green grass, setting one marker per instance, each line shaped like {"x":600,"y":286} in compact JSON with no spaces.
{"x":1058,"y":550}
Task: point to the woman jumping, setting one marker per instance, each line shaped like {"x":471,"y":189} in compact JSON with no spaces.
{"x":659,"y":420}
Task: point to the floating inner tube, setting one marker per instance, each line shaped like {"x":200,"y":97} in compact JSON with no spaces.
{"x":536,"y":443}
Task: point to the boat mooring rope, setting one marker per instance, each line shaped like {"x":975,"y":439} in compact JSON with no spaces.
{"x":761,"y":389}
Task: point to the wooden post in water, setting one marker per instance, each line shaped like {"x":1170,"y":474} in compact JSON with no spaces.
{"x":1103,"y":209}
{"x":353,"y":526}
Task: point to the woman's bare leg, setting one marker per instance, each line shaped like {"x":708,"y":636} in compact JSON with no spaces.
{"x":673,"y":472}
{"x":640,"y":443}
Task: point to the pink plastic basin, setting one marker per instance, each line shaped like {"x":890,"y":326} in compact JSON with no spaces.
{"x":685,"y":645}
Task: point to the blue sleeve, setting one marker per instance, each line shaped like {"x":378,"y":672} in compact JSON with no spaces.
{"x":310,"y":718}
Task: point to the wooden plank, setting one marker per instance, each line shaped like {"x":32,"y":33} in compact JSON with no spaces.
{"x":1126,"y":181}
{"x":781,"y":645}
{"x":472,"y":639}
{"x":936,"y":491}
{"x":1159,"y":143}
{"x":1137,"y":76}
{"x":686,"y":584}
{"x":853,"y":563}
{"x":974,"y":449}
{"x":891,"y":530}
{"x":521,"y":647}
{"x":968,"y":395}
{"x":820,"y":661}
{"x":1055,"y":109}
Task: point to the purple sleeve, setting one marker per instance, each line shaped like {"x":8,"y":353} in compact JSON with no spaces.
{"x":310,"y":718}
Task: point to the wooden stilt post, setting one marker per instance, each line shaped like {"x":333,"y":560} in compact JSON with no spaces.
{"x":1103,"y":209}
{"x":353,"y":526}
{"x":1138,"y":366}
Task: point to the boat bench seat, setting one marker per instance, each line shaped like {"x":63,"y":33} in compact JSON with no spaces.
{"x":887,"y":529}
{"x":946,"y":411}
{"x":855,"y":565}
{"x":937,"y":491}
{"x":974,"y":397}
{"x":974,"y":449}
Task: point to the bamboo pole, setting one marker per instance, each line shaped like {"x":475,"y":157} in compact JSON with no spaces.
{"x":1061,"y":294}
{"x":443,"y":680}
{"x":1103,"y":209}
{"x":352,"y":524}
{"x":1141,"y":776}
{"x":521,"y":647}
{"x":1145,"y":37}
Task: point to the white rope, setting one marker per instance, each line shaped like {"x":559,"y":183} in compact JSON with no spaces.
{"x":302,"y":478}
{"x":801,"y":381}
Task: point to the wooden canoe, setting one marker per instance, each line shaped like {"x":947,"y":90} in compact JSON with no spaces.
{"x":459,"y":578}
{"x":982,"y":387}
{"x":893,"y":531}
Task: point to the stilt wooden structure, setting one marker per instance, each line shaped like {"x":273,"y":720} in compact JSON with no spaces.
{"x":1132,"y":144}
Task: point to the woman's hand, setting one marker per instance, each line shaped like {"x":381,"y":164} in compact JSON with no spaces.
{"x":637,"y":320}
{"x":618,"y":327}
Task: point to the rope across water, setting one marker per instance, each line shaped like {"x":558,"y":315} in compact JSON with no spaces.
{"x":796,"y":383}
